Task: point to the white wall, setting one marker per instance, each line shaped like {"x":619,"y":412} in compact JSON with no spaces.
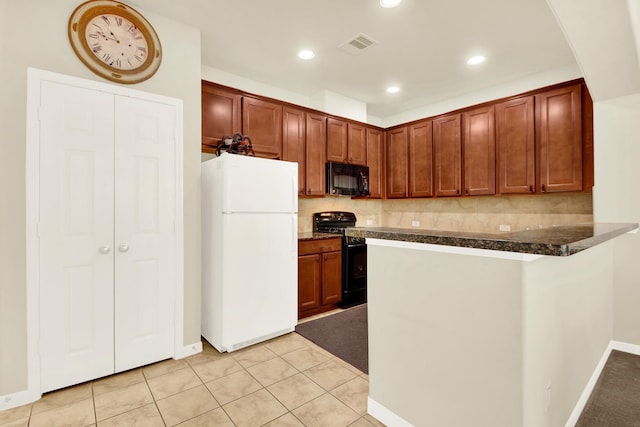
{"x":616,"y":198}
{"x":47,"y":48}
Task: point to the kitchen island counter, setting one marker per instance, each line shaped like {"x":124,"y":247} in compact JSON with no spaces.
{"x":562,"y":240}
{"x":487,"y":322}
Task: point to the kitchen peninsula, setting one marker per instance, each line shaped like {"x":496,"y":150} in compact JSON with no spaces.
{"x":486,"y":329}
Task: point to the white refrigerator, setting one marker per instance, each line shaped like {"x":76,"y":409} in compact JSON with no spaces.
{"x":249,"y":250}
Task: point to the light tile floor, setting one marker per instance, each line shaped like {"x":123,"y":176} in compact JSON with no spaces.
{"x":287,"y":381}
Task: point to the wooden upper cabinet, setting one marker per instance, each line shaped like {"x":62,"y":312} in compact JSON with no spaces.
{"x":357,"y":144}
{"x":375,"y":157}
{"x":262,"y":123}
{"x":587,"y":140}
{"x":479,"y":151}
{"x":421,"y":159}
{"x":560,"y":139}
{"x":346,"y":142}
{"x":397,"y":168}
{"x":515,"y":142}
{"x":316,"y":134}
{"x":447,"y":148}
{"x":337,"y":137}
{"x":220,"y":115}
{"x":293,"y":142}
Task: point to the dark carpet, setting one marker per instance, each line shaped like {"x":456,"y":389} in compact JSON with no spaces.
{"x":615,"y":399}
{"x":342,"y":334}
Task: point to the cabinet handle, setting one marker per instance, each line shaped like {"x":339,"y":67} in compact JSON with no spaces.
{"x":104,"y":249}
{"x":466,"y":191}
{"x":543,"y":188}
{"x":531,"y":189}
{"x":457,"y":191}
{"x":123,"y":248}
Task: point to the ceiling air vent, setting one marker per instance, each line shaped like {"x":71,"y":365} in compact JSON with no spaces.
{"x":357,"y":44}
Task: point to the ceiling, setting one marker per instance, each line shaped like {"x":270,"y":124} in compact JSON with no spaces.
{"x":422,"y":45}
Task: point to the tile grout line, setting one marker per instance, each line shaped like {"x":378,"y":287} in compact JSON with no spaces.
{"x":155,"y":402}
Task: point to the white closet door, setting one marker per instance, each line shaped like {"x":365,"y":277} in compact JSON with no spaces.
{"x":76,"y":235}
{"x":145,"y":252}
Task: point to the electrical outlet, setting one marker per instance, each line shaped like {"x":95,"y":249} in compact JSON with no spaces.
{"x":505,"y":227}
{"x":415,"y":223}
{"x":369,"y":222}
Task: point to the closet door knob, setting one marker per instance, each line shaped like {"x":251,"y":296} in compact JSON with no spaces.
{"x":104,"y":249}
{"x":123,"y":248}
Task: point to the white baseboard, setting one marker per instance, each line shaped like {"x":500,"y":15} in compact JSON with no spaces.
{"x":384,"y":415}
{"x":626,"y":347}
{"x":188,"y":350}
{"x":20,"y":398}
{"x":582,"y":401}
{"x":13,"y":400}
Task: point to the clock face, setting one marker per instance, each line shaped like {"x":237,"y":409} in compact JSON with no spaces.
{"x":115,"y":41}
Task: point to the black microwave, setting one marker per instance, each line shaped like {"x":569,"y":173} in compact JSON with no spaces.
{"x":347,"y":180}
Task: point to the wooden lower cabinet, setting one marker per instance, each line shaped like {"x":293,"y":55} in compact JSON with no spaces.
{"x":319,"y":276}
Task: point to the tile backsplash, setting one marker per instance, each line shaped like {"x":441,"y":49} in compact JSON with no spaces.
{"x":476,"y":214}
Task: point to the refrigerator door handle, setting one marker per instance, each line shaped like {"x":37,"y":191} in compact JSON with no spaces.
{"x":294,"y":236}
{"x":294,"y":193}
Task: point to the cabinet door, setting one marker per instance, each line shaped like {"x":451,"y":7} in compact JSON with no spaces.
{"x":447,"y":147}
{"x":421,"y":160}
{"x":357,"y":144}
{"x":516,"y":146}
{"x":560,"y":139}
{"x":479,"y":151}
{"x":309,"y":277}
{"x":337,"y":141}
{"x":262,"y":123}
{"x":220,"y":116}
{"x":375,"y":156}
{"x":397,"y":158}
{"x":293,"y":142}
{"x":331,"y":277}
{"x":316,"y":139}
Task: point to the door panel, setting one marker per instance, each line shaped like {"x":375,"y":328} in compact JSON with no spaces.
{"x":516,"y":146}
{"x":144,"y":240}
{"x":260,"y":293}
{"x":76,"y":222}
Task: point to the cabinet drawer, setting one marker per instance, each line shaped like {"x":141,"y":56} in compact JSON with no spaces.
{"x":318,"y":246}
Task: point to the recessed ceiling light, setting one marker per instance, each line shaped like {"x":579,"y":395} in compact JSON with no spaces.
{"x":393,"y":89}
{"x":306,"y":54}
{"x":389,"y":3}
{"x":476,"y":60}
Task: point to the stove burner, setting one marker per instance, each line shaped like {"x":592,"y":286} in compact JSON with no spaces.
{"x":333,"y":222}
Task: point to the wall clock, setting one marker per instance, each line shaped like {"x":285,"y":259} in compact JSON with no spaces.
{"x":115,"y":41}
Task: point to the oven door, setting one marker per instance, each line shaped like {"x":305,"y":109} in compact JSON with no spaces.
{"x":354,"y":277}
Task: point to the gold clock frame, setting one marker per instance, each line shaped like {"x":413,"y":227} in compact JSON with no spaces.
{"x":85,"y":12}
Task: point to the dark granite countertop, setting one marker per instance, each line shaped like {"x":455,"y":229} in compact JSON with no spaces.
{"x":562,"y":240}
{"x":317,"y":236}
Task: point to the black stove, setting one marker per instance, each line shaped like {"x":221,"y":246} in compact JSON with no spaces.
{"x":354,"y":255}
